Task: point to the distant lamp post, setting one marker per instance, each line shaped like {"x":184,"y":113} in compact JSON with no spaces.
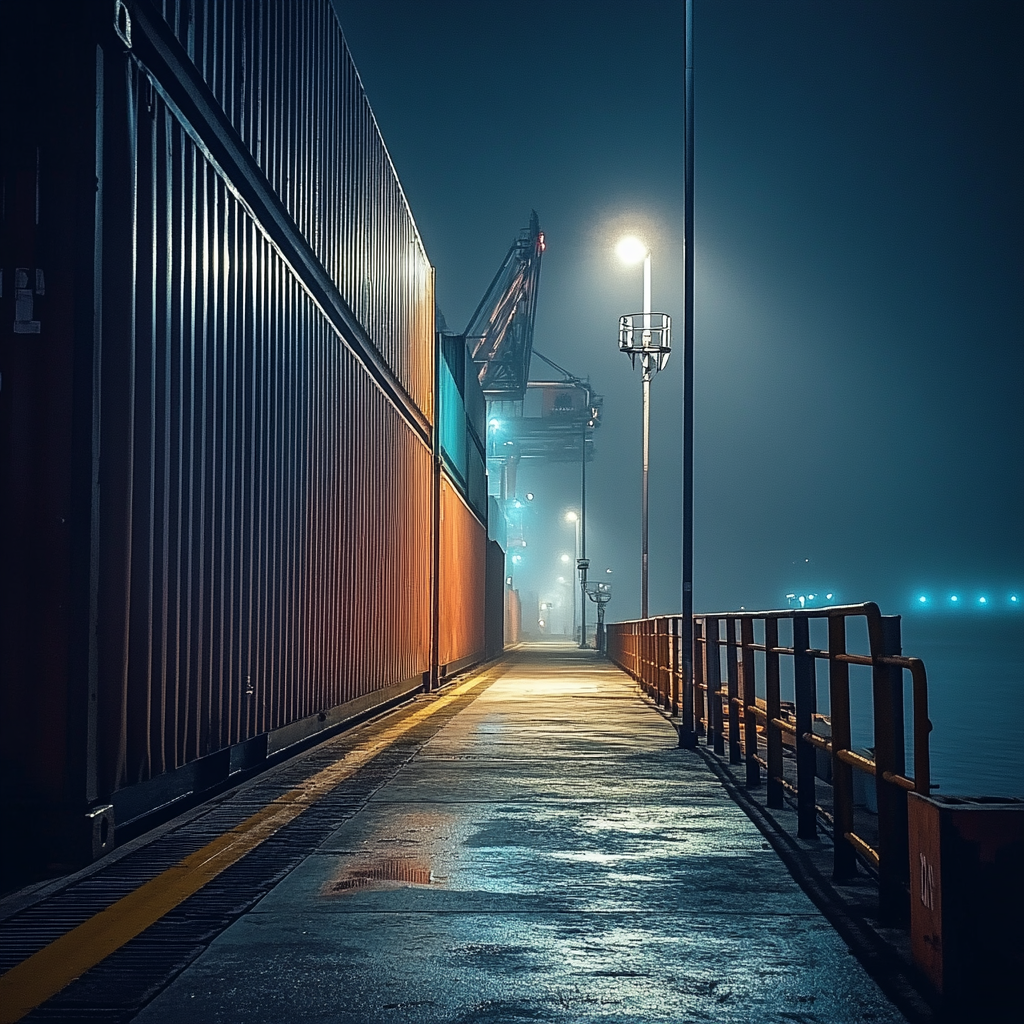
{"x":573,"y":517}
{"x":646,"y":335}
{"x":600,"y":594}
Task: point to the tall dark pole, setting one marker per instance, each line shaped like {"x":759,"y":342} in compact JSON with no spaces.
{"x":687,"y":734}
{"x":583,"y":537}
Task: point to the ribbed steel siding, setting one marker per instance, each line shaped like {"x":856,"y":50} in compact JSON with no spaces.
{"x":283,"y":74}
{"x":462,"y":591}
{"x":280,"y":505}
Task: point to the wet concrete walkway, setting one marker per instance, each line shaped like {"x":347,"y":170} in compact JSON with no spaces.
{"x":548,"y":855}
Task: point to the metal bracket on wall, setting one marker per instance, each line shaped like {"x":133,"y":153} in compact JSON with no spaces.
{"x":100,"y":829}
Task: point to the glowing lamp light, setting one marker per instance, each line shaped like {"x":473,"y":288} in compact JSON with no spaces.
{"x":630,"y":249}
{"x":565,"y":559}
{"x":982,"y":600}
{"x":494,"y":424}
{"x":571,"y":517}
{"x":1013,"y":598}
{"x":954,"y":599}
{"x":529,"y":495}
{"x":828,"y":597}
{"x":923,"y":600}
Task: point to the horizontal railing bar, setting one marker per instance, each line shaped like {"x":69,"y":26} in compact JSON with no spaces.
{"x":856,"y":761}
{"x":869,"y":608}
{"x":868,"y":852}
{"x":818,"y":741}
{"x":900,"y":780}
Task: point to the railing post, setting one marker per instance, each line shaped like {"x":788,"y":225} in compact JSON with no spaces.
{"x":844,"y":864}
{"x":732,"y":676}
{"x":645,"y":655}
{"x":694,"y":688}
{"x":748,"y":692}
{"x":773,"y":708}
{"x":659,"y":649}
{"x":806,"y":761}
{"x":890,"y":756}
{"x":675,"y":629}
{"x":666,"y":662}
{"x":714,"y":677}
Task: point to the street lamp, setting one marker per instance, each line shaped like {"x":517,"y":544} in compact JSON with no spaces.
{"x":646,"y":335}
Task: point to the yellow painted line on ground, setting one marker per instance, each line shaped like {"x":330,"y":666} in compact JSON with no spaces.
{"x":33,"y":981}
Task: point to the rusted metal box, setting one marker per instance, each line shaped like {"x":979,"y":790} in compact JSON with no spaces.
{"x":967,"y":898}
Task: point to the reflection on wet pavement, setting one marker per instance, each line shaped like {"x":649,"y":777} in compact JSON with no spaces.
{"x":366,"y":876}
{"x":550,"y":854}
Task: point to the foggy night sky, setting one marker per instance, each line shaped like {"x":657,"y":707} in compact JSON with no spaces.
{"x":859,"y":324}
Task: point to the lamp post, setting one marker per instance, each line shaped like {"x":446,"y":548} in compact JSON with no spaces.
{"x":687,"y":732}
{"x":573,"y":517}
{"x":649,"y":336}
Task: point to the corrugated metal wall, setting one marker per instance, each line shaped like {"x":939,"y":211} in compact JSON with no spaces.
{"x":223,"y":428}
{"x":462,"y":588}
{"x":279,"y":502}
{"x":284,"y":76}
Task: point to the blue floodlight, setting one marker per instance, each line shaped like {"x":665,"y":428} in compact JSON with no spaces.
{"x":954,"y":599}
{"x":923,"y":599}
{"x":1013,"y":598}
{"x":982,"y":600}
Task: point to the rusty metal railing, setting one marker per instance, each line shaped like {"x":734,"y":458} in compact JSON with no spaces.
{"x":757,"y":731}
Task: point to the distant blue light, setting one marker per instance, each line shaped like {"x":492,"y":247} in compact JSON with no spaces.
{"x":1013,"y":598}
{"x":828,"y":597}
{"x":923,"y":599}
{"x":954,"y":599}
{"x":982,"y":600}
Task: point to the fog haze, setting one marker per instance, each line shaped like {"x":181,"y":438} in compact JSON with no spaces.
{"x":859,"y":306}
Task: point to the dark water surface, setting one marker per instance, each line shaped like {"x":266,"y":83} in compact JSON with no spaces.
{"x":975,"y":667}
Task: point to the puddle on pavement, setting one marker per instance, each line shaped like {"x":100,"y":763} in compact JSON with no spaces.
{"x":379,"y":874}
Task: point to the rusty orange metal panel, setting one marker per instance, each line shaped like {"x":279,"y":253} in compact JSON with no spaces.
{"x":967,"y":899}
{"x":224,"y":514}
{"x":462,"y":585}
{"x":278,"y":536}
